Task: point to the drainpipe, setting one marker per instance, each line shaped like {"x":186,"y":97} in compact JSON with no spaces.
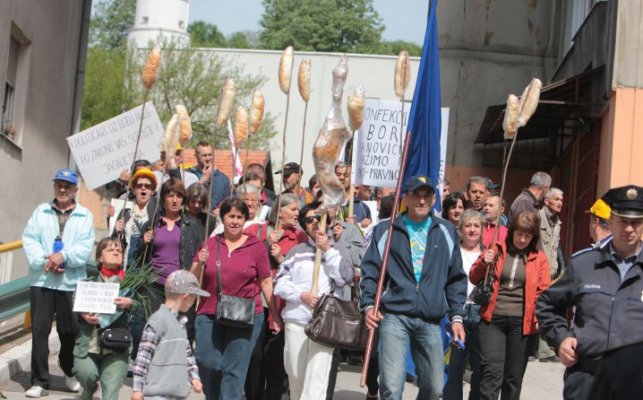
{"x":81,"y":61}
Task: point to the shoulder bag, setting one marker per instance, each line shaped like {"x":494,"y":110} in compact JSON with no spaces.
{"x":481,"y":293}
{"x":115,"y":339}
{"x":337,"y":323}
{"x":232,"y":311}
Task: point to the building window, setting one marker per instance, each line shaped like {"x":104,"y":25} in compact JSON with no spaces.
{"x":181,"y":24}
{"x":9,"y":128}
{"x":15,"y":86}
{"x":145,"y":20}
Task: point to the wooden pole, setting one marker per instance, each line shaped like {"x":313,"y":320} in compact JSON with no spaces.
{"x":318,"y":255}
{"x":387,"y":247}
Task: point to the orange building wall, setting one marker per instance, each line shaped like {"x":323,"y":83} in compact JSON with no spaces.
{"x":622,"y":140}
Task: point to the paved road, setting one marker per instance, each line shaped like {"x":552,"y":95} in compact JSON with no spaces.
{"x":542,"y":381}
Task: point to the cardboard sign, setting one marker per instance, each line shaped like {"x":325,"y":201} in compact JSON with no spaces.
{"x":96,"y":297}
{"x":103,"y":151}
{"x":377,"y":148}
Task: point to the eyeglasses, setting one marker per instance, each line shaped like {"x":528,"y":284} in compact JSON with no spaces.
{"x":143,"y":186}
{"x":309,"y":220}
{"x":250,"y":201}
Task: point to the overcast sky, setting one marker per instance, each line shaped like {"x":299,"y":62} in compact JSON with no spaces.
{"x":404,"y":19}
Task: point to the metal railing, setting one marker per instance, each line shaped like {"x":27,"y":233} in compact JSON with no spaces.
{"x":14,"y":295}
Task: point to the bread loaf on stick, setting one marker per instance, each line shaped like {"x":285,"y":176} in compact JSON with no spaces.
{"x":303,"y":80}
{"x":256,"y":111}
{"x":241,"y":125}
{"x":510,"y":122}
{"x":285,"y":69}
{"x":151,"y":68}
{"x":529,"y":101}
{"x":226,"y":101}
{"x":402,"y":73}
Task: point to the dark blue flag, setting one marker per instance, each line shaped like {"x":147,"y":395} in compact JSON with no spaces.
{"x":425,"y":121}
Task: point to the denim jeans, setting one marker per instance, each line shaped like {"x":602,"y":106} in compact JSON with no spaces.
{"x":453,"y":387}
{"x":223,"y":355}
{"x":397,"y":332}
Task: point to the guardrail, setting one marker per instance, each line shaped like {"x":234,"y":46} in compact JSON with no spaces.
{"x":14,"y":295}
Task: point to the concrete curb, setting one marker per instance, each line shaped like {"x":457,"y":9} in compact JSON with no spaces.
{"x":18,"y":359}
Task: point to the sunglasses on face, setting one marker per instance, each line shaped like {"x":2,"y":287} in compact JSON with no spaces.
{"x":311,"y":219}
{"x":143,"y":186}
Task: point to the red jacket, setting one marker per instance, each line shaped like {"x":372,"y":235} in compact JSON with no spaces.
{"x":537,"y":280}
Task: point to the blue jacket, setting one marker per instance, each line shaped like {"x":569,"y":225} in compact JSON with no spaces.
{"x":443,"y":284}
{"x":38,"y":241}
{"x":219,"y":188}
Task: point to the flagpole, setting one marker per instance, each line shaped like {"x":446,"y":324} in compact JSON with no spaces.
{"x":387,"y":247}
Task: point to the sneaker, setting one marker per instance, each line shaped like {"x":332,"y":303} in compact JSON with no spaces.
{"x":36,"y":392}
{"x":72,"y":384}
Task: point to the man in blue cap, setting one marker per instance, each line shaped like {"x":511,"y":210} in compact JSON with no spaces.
{"x":57,"y":241}
{"x":602,"y":348}
{"x":424,"y":282}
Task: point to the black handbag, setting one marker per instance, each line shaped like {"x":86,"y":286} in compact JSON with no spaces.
{"x":115,"y":339}
{"x":481,"y":293}
{"x":337,"y":323}
{"x":233,"y":311}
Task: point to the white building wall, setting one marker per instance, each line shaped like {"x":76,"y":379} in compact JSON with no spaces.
{"x":374,"y":73}
{"x":158,"y":20}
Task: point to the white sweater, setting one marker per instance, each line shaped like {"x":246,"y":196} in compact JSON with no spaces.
{"x":296,"y":276}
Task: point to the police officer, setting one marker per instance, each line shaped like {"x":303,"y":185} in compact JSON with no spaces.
{"x":605,"y":285}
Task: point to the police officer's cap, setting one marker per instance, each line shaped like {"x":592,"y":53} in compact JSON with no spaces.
{"x":625,"y":201}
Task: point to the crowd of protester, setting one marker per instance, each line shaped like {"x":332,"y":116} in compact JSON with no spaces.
{"x":201,"y":234}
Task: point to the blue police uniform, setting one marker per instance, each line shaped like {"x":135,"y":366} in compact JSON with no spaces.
{"x":606,"y":292}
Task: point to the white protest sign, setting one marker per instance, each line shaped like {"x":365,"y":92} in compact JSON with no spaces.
{"x":95,"y":297}
{"x":103,"y":151}
{"x":377,"y":145}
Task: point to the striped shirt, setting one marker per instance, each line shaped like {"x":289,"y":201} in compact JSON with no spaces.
{"x":146,"y":350}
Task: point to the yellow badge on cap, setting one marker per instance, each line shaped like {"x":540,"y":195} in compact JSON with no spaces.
{"x":631,"y":194}
{"x":66,"y":173}
{"x":423,"y":179}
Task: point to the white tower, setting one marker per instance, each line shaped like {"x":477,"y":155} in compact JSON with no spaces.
{"x":160,"y":20}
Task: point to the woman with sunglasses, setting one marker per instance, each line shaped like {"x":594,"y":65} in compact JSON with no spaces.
{"x":130,"y":221}
{"x":308,"y":363}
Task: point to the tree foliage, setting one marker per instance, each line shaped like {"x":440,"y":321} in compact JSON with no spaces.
{"x":187,"y":76}
{"x":321,"y":25}
{"x":394,"y":48}
{"x":194,"y":78}
{"x":110,"y":23}
{"x":204,"y":34}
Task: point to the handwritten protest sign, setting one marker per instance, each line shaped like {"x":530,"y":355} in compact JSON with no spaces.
{"x":377,"y":147}
{"x":103,"y":151}
{"x":95,"y":297}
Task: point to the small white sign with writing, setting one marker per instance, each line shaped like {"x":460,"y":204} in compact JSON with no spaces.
{"x":96,"y":297}
{"x":377,"y":145}
{"x":103,"y":151}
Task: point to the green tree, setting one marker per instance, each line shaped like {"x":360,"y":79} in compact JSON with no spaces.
{"x":110,"y":23}
{"x":239,"y":40}
{"x":394,"y":48}
{"x":105,"y":94}
{"x":321,"y":25}
{"x":203,"y":34}
{"x":194,"y":78}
